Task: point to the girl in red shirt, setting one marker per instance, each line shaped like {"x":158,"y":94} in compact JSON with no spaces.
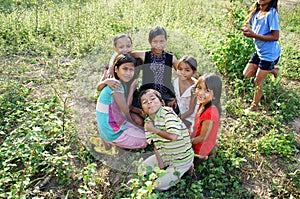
{"x":207,"y":120}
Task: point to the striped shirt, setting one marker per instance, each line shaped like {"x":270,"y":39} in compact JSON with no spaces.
{"x":171,"y":152}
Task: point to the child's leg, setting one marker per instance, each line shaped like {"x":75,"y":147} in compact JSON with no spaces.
{"x":173,"y":174}
{"x":250,"y":70}
{"x":132,"y":138}
{"x":258,"y":81}
{"x":275,"y":71}
{"x":137,"y":119}
{"x":150,"y":161}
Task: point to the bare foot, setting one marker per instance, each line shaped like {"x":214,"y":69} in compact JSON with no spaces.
{"x":201,"y":157}
{"x":252,"y":108}
{"x":98,"y":142}
{"x":275,"y":72}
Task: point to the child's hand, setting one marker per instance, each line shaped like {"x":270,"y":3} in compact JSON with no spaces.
{"x":113,"y":83}
{"x":149,"y":126}
{"x":142,"y":114}
{"x":247,"y":31}
{"x":134,"y":84}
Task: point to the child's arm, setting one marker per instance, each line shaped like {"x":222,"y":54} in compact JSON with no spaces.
{"x":111,"y":82}
{"x":120,"y":101}
{"x":160,"y":161}
{"x":274,"y":36}
{"x":174,"y":62}
{"x":131,"y":91}
{"x":138,"y":54}
{"x":149,"y":126}
{"x":138,"y":111}
{"x":205,"y":131}
{"x":192,"y":106}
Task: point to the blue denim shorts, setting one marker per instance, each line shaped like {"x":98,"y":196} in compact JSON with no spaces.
{"x":262,"y":64}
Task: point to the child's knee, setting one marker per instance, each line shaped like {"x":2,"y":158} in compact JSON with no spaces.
{"x":258,"y":82}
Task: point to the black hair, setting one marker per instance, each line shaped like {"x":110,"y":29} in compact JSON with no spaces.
{"x":155,"y":92}
{"x":155,"y":31}
{"x":122,"y":59}
{"x":212,"y":82}
{"x":121,"y":36}
{"x":190,"y":60}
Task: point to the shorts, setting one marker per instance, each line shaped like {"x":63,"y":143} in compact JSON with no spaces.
{"x":262,"y":64}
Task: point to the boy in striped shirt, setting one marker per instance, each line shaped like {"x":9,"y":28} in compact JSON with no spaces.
{"x":170,"y":137}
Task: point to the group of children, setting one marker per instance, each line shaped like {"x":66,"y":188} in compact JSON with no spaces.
{"x":167,"y":114}
{"x":180,"y":118}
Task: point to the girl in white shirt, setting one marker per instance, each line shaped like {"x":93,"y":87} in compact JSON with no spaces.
{"x":183,"y":86}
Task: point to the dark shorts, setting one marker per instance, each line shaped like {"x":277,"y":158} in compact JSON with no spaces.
{"x":262,"y":64}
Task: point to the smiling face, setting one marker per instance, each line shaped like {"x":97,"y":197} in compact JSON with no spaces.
{"x":185,"y":71}
{"x":204,"y":95}
{"x":150,"y":103}
{"x":158,"y":44}
{"x":123,"y":45}
{"x":125,"y":71}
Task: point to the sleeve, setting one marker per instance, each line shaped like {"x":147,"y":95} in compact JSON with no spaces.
{"x":112,"y":59}
{"x":207,"y":115}
{"x":173,"y":123}
{"x":273,"y":20}
{"x":120,"y":90}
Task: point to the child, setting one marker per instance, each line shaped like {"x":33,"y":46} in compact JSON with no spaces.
{"x":207,"y":119}
{"x":183,"y":86}
{"x":122,"y":44}
{"x":157,"y":68}
{"x":172,"y":145}
{"x":264,"y":19}
{"x":114,"y":122}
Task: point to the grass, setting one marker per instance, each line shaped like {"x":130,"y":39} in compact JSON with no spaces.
{"x":52,"y":53}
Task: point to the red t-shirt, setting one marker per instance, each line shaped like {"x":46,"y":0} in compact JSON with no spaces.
{"x":211,"y":113}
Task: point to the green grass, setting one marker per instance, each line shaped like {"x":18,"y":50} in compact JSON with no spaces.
{"x":51,"y":58}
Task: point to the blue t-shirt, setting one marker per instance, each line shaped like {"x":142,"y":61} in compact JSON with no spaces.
{"x":266,"y":50}
{"x":110,"y":119}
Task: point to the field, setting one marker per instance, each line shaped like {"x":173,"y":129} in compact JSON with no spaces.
{"x":52,"y":56}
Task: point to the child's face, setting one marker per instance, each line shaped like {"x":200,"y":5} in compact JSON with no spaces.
{"x":123,"y":45}
{"x":150,"y":103}
{"x":125,"y":72}
{"x":158,"y":44}
{"x":184,"y":71}
{"x":204,"y":95}
{"x":263,"y":2}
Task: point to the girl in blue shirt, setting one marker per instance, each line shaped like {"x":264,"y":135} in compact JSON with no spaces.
{"x":264,"y":20}
{"x":115,"y":125}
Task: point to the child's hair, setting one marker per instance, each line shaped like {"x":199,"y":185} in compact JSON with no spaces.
{"x":155,"y":92}
{"x":155,"y":31}
{"x":190,"y":60}
{"x":122,"y":59}
{"x":213,"y":82}
{"x":121,"y":36}
{"x":256,"y":7}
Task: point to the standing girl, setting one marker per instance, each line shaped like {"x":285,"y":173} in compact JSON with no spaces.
{"x":207,"y":119}
{"x":183,"y":87}
{"x":112,"y":111}
{"x":264,"y":20}
{"x":157,"y":68}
